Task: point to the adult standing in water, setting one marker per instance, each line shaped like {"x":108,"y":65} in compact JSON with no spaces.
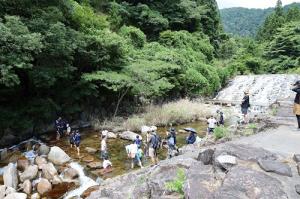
{"x":77,"y":140}
{"x":59,"y":125}
{"x":297,"y":102}
{"x":171,"y":142}
{"x":154,"y":144}
{"x":245,"y":106}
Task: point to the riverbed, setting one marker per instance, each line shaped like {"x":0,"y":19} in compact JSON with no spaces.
{"x":116,"y":148}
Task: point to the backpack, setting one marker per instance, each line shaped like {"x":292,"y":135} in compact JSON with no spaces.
{"x":155,"y":142}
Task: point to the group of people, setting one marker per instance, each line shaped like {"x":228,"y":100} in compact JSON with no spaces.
{"x":62,"y":128}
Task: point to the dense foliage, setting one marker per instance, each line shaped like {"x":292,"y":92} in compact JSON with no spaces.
{"x":66,"y":57}
{"x":246,"y":22}
{"x":274,"y":50}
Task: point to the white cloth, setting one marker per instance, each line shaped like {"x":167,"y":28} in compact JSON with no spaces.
{"x":103,"y":145}
{"x":212,"y":123}
{"x":132,"y":149}
{"x":106,"y":163}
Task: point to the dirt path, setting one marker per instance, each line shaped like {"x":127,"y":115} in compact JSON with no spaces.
{"x":284,"y":140}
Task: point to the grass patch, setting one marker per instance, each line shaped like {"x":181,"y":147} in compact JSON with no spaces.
{"x":177,"y":184}
{"x":220,"y":132}
{"x":252,"y":126}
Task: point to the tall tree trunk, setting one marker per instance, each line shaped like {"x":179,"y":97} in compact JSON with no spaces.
{"x":120,"y":98}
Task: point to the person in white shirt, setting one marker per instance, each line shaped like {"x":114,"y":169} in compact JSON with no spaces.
{"x":106,"y":163}
{"x":103,"y":147}
{"x":132,"y":153}
{"x":212,"y":122}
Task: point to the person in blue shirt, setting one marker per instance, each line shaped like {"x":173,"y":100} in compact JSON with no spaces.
{"x":191,"y":139}
{"x":138,"y":141}
{"x":59,"y":128}
{"x":77,"y":140}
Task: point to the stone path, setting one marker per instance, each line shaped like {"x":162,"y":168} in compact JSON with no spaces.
{"x":284,"y":140}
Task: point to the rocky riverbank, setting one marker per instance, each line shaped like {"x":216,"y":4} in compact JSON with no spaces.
{"x":228,"y":170}
{"x":45,"y":172}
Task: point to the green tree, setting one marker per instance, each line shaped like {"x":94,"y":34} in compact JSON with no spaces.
{"x":17,"y":48}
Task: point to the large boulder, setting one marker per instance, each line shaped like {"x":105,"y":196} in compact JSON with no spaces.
{"x":22,"y":163}
{"x":225,"y":161}
{"x":10,"y":176}
{"x":43,"y":150}
{"x":245,"y":152}
{"x":29,"y":173}
{"x":111,"y":135}
{"x":128,"y":135}
{"x":40,"y":161}
{"x":70,"y":174}
{"x":206,"y":156}
{"x":276,"y":167}
{"x":16,"y":196}
{"x":49,"y":171}
{"x":27,"y":187}
{"x":246,"y":183}
{"x":44,"y":186}
{"x":5,"y":190}
{"x":58,"y":156}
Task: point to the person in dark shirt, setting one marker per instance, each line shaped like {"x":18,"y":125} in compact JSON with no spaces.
{"x":245,"y":106}
{"x":296,"y":110}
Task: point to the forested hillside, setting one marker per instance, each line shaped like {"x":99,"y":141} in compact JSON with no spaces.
{"x":246,"y":22}
{"x":88,"y":58}
{"x":75,"y":58}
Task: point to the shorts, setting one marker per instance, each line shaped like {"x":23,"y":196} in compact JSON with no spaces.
{"x":71,"y":141}
{"x":77,"y":144}
{"x":244,"y":111}
{"x":103,"y":154}
{"x":137,"y":159}
{"x":152,"y":152}
{"x":60,"y":131}
{"x":210,"y":130}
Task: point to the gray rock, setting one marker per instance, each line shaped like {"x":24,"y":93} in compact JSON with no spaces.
{"x":276,"y":167}
{"x":297,"y":158}
{"x":44,"y":186}
{"x":43,"y":150}
{"x":90,"y":150}
{"x":58,"y":156}
{"x":30,"y":173}
{"x":49,"y":171}
{"x":40,"y":161}
{"x":35,"y":196}
{"x":10,"y":176}
{"x":298,"y":168}
{"x":225,"y":161}
{"x":206,"y":156}
{"x":16,"y":196}
{"x":245,"y":183}
{"x":245,"y":152}
{"x":27,"y":187}
{"x":297,"y":188}
{"x":128,"y":135}
{"x":200,"y":182}
{"x":5,"y":190}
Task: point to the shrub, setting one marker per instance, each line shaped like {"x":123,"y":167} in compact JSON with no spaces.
{"x":220,"y":132}
{"x":177,"y":184}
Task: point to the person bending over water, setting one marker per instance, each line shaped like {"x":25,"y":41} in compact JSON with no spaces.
{"x":133,"y":153}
